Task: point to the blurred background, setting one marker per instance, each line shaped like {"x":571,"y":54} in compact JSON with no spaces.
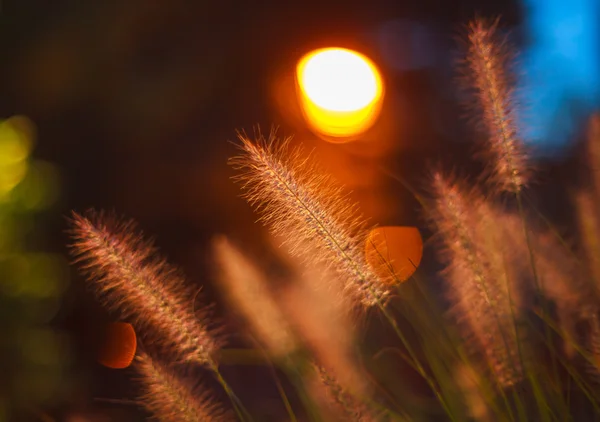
{"x":133,"y":105}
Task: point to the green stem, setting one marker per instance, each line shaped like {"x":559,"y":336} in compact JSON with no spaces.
{"x":539,"y":291}
{"x":241,"y":412}
{"x":417,"y":363}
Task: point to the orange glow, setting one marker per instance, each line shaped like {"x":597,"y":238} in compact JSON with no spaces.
{"x":394,"y":252}
{"x":340,"y":92}
{"x":119,"y":346}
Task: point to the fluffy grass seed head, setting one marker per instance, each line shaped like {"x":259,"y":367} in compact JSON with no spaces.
{"x":171,"y":398}
{"x":593,"y":152}
{"x":344,"y":403}
{"x":469,"y":383}
{"x":489,"y":76}
{"x":128,"y":275}
{"x":588,"y":220}
{"x":302,"y":204}
{"x":477,"y":282}
{"x":247,"y":289}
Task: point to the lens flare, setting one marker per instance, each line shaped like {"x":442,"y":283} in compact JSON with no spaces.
{"x":119,"y":346}
{"x":394,"y":252}
{"x":340,"y":92}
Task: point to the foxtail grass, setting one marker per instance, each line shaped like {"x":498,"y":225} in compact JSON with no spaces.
{"x":302,"y":204}
{"x":347,"y":406}
{"x":509,"y":286}
{"x":490,"y":76}
{"x":129,"y":276}
{"x":478,"y":285}
{"x":173,"y":398}
{"x":249,"y":293}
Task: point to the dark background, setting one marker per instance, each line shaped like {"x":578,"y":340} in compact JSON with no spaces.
{"x":137,"y":101}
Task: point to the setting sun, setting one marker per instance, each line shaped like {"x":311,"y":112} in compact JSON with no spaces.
{"x":340,"y":92}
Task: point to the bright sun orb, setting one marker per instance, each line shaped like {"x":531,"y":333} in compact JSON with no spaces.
{"x":340,"y":91}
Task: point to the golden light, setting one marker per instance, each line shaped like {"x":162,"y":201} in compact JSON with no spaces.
{"x":394,"y":252}
{"x":340,"y":92}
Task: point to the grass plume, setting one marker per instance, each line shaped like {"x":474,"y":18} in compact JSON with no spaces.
{"x":477,"y":283}
{"x":500,"y":366}
{"x":128,"y":275}
{"x":593,"y":152}
{"x":171,"y":398}
{"x":304,"y":205}
{"x":342,"y":402}
{"x":587,"y":202}
{"x":488,"y":60}
{"x":248,"y":291}
{"x":469,"y":383}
